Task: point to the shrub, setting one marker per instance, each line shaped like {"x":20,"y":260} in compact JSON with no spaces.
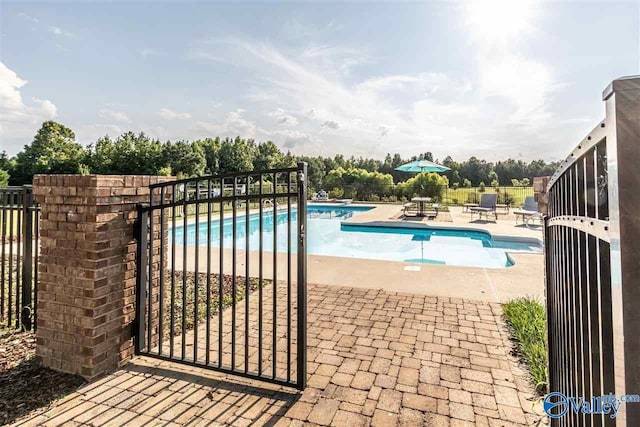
{"x":466,"y":183}
{"x":456,"y":185}
{"x":482,"y":187}
{"x":454,"y":200}
{"x":336,"y":193}
{"x":505,"y":198}
{"x":527,"y":324}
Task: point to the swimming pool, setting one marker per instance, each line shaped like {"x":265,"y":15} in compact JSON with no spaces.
{"x":327,"y":235}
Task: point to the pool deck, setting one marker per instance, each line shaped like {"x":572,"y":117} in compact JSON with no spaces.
{"x":525,"y":278}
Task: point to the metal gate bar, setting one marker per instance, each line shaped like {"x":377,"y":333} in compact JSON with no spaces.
{"x":19,"y":219}
{"x":177,"y":232}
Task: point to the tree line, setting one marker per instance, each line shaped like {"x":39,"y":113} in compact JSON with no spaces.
{"x":55,"y":150}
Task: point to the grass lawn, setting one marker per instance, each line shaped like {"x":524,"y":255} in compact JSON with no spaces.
{"x":527,"y":322}
{"x":514,"y":195}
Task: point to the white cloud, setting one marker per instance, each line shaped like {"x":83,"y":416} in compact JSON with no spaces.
{"x":282,"y":117}
{"x":332,"y":124}
{"x":63,"y":49}
{"x":482,"y":114}
{"x":29,"y":18}
{"x":60,"y":31}
{"x":168,"y":114}
{"x":147,"y":52}
{"x":234,"y":124}
{"x":17,"y":119}
{"x":118,"y":116}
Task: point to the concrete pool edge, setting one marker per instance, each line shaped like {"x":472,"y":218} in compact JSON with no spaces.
{"x":523,"y":279}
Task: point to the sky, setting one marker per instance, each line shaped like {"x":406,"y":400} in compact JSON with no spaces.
{"x":486,"y":78}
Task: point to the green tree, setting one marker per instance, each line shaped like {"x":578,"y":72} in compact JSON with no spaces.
{"x":236,"y":155}
{"x":184,"y":159}
{"x":211,"y":150}
{"x":5,"y":162}
{"x":315,"y":171}
{"x":267,"y":156}
{"x":53,"y":150}
{"x":4,"y":177}
{"x":128,"y":154}
{"x":424,"y":185}
{"x":482,"y":187}
{"x":466,"y":183}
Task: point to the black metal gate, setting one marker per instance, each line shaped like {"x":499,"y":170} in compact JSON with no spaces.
{"x":592,"y":250}
{"x":18,"y":266}
{"x":217,"y":257}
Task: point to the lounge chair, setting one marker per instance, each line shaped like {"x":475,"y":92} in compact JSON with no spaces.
{"x":529,"y":209}
{"x":320,"y":196}
{"x":487,"y":207}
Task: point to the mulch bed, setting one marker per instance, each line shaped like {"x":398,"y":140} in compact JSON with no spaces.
{"x":24,"y":384}
{"x":214,"y":297}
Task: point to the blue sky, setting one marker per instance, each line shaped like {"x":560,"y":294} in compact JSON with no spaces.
{"x":494,"y":78}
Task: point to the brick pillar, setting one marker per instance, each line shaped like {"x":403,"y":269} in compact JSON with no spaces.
{"x":540,"y":193}
{"x":86,"y":288}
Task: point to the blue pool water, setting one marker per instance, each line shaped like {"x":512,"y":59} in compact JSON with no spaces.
{"x":327,"y":236}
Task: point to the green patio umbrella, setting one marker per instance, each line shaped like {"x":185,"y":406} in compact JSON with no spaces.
{"x":419,"y":166}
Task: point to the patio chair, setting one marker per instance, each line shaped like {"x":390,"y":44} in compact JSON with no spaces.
{"x":321,"y":196}
{"x":529,"y":209}
{"x":487,"y":207}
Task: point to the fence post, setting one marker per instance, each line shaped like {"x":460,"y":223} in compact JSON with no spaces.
{"x":27,"y":253}
{"x":141,"y":277}
{"x":302,"y":277}
{"x":622,"y":98}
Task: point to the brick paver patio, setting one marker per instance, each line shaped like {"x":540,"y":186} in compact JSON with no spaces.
{"x":375,"y":358}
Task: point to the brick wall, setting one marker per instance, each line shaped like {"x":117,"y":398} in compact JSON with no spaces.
{"x":540,"y":193}
{"x":86,"y":289}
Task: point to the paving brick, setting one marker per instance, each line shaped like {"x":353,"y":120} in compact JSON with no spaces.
{"x":385,"y":381}
{"x":475,"y":375}
{"x":363,"y":380}
{"x":342,"y":379}
{"x":346,"y":394}
{"x":360,"y":373}
{"x":461,"y":411}
{"x":299,"y":411}
{"x":409,"y":376}
{"x":350,"y":419}
{"x":384,"y":419}
{"x":438,"y":392}
{"x":419,"y":402}
{"x":324,"y":411}
{"x":506,"y":396}
{"x":483,"y":401}
{"x":390,"y":400}
{"x":410,"y":417}
{"x":380,"y":365}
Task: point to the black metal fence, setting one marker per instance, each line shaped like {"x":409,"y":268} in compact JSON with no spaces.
{"x":19,"y":217}
{"x":592,"y":253}
{"x":221,"y":278}
{"x":508,"y":195}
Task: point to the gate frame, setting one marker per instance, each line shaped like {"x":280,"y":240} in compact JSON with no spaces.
{"x":620,"y":131}
{"x":141,"y":231}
